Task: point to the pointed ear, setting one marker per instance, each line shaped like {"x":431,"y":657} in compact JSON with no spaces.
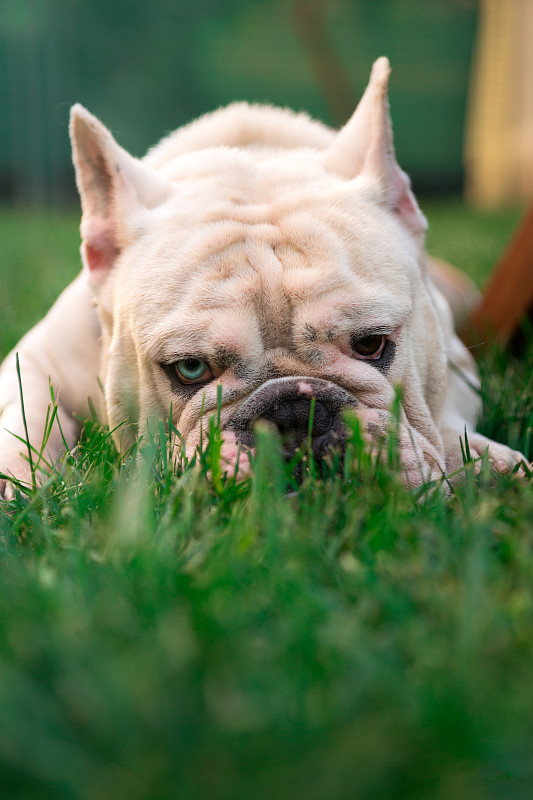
{"x":113,"y":188}
{"x":364,"y":149}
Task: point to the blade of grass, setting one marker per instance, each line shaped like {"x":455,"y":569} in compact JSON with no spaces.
{"x":24,"y":422}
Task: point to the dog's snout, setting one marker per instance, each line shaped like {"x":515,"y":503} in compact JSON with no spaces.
{"x":297,"y":408}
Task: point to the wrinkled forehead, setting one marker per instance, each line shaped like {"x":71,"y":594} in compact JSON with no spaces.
{"x":226,"y":201}
{"x":259,"y":282}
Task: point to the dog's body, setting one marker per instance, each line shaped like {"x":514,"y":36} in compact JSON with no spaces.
{"x":258,"y":251}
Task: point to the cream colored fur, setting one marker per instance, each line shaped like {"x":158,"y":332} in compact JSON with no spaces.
{"x":234,"y":238}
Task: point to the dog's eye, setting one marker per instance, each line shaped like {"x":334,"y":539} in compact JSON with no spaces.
{"x":370,"y":347}
{"x":192,"y":370}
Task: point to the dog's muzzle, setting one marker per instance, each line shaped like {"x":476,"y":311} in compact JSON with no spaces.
{"x":289,"y":405}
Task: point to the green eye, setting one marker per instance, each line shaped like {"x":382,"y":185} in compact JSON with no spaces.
{"x":192,"y":370}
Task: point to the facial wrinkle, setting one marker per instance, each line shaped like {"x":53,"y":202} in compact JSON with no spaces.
{"x":272,"y":307}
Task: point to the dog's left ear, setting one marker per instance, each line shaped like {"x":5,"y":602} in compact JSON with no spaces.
{"x":364,"y":149}
{"x":115,"y":189}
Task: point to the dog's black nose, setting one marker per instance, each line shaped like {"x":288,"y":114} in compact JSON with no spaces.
{"x":294,"y":416}
{"x":298,"y":408}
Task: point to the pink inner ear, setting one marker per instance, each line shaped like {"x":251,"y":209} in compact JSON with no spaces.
{"x":404,"y":203}
{"x":97,"y":259}
{"x":99,"y":249}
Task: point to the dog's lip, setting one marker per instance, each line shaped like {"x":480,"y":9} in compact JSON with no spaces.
{"x":235,"y":457}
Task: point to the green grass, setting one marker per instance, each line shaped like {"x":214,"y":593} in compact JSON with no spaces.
{"x":38,"y":258}
{"x":168,"y":636}
{"x":470,"y":238}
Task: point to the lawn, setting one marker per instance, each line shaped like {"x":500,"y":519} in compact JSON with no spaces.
{"x":168,"y":636}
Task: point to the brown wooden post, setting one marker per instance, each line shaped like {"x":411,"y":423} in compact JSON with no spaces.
{"x":310,"y":22}
{"x":508,"y":296}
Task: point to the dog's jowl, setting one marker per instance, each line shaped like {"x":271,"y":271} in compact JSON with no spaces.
{"x":261,"y":252}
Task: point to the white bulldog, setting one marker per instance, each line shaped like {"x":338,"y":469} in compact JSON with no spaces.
{"x":261,"y":252}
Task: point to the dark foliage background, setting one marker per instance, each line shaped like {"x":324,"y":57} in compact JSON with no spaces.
{"x":145,"y":68}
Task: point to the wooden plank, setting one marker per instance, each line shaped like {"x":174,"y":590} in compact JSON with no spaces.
{"x":508,"y":296}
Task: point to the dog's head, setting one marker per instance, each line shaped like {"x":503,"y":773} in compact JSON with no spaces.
{"x":260,"y":252}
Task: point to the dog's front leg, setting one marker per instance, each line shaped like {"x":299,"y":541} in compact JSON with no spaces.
{"x":23,"y":421}
{"x":62,"y":351}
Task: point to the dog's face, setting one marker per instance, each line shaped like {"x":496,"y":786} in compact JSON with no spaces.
{"x":287,"y":282}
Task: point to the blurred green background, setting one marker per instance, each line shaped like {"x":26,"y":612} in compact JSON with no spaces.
{"x":146,"y":67}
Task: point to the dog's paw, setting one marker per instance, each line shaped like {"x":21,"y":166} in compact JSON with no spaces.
{"x":502,"y":458}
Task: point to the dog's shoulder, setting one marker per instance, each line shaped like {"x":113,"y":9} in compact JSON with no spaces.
{"x":243,"y":125}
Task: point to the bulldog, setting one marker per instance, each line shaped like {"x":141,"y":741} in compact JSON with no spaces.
{"x":258,"y":255}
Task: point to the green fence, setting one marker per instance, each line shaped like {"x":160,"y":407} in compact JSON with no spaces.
{"x":146,"y":67}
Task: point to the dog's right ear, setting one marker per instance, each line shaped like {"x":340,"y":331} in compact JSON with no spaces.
{"x":364,"y":150}
{"x":114,"y":189}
